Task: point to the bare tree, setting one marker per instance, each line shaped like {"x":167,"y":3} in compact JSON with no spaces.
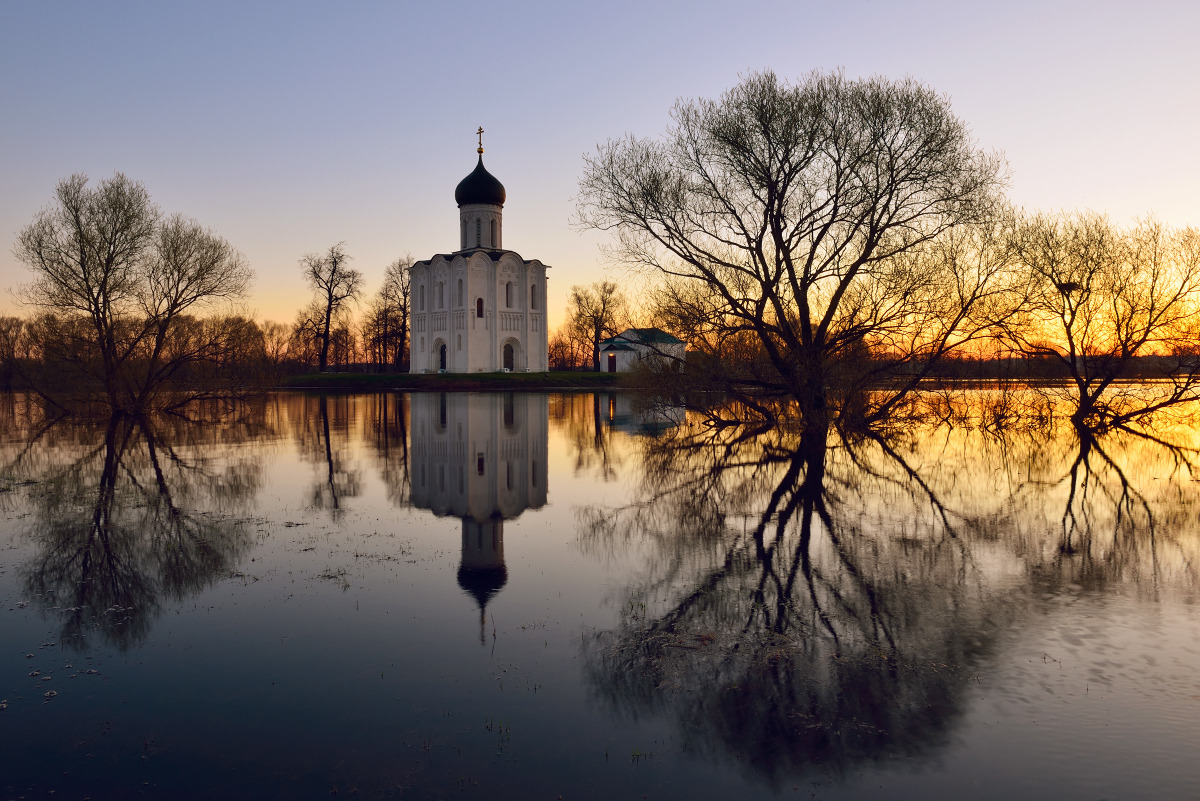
{"x":276,"y":346}
{"x":11,"y":330}
{"x":798,"y":209}
{"x":385,"y":327}
{"x":1107,"y":304}
{"x":122,"y":281}
{"x":334,"y":284}
{"x":594,"y":313}
{"x":564,"y":352}
{"x":306,"y":340}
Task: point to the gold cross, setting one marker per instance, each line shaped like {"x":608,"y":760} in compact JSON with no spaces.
{"x":480,"y":133}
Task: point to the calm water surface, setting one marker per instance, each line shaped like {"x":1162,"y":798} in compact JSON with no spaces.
{"x":522,"y":596}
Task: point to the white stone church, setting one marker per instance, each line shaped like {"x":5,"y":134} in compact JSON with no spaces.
{"x":482,"y":308}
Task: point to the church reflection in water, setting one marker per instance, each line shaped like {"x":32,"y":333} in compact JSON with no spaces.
{"x":481,"y":458}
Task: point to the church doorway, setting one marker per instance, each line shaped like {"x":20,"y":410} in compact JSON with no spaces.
{"x":442,"y":356}
{"x":511,"y":355}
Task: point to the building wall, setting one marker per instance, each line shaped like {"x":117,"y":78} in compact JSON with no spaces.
{"x":441,"y":315}
{"x":628,"y":359}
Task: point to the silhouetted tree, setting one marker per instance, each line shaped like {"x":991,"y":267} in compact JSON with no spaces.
{"x":121,"y":281}
{"x":11,"y":330}
{"x":385,"y":326}
{"x":1108,"y":304}
{"x":334,"y":283}
{"x":809,"y":215}
{"x":594,"y":313}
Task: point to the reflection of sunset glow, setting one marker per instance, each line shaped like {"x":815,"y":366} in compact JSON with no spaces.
{"x":982,"y":585}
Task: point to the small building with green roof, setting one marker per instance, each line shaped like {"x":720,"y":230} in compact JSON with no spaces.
{"x":626,"y":350}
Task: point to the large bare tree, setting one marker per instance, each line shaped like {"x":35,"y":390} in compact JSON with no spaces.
{"x":334,"y":283}
{"x":1107,"y":304}
{"x":120,"y":283}
{"x":800,"y":211}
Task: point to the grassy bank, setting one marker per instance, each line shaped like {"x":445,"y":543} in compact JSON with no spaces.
{"x":453,"y":382}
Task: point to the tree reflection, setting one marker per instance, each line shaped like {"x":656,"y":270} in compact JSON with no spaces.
{"x":1118,"y":508}
{"x":589,"y":439}
{"x":813,"y":601}
{"x":782,"y":620}
{"x":337,"y":478}
{"x":388,"y":416}
{"x":125,"y":519}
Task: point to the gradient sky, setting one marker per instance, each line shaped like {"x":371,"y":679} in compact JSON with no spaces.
{"x":287,"y":127}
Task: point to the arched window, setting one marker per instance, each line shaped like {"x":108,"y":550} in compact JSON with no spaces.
{"x":478,"y":229}
{"x":479,"y":307}
{"x":460,"y":292}
{"x":464,"y":234}
{"x":460,"y":341}
{"x":495,"y":244}
{"x":508,"y":295}
{"x":533,"y":297}
{"x":421,"y":297}
{"x":440,"y":299}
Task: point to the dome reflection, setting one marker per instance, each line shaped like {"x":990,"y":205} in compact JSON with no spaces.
{"x":481,"y":458}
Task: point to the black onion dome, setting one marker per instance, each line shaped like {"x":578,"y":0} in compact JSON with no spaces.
{"x":479,"y":187}
{"x":482,"y":582}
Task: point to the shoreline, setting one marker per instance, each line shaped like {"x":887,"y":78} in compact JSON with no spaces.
{"x":455,"y":382}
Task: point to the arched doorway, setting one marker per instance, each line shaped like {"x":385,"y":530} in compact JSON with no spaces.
{"x":440,"y":349}
{"x":511,"y":355}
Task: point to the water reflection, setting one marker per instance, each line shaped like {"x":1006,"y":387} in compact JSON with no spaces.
{"x":640,"y":414}
{"x":324,"y":424}
{"x":815,"y":605}
{"x":481,"y":458}
{"x":130,"y":513}
{"x":1091,"y":512}
{"x":593,"y":419}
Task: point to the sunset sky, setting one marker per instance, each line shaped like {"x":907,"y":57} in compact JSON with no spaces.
{"x":287,"y":127}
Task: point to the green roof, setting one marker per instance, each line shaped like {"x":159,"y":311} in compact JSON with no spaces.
{"x":643,"y":336}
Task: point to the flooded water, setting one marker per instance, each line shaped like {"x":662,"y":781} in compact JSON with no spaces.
{"x":530,"y":596}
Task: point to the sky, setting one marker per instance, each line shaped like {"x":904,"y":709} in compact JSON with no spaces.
{"x":289,"y":127}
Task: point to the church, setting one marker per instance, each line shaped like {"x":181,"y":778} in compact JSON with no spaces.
{"x":482,"y":308}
